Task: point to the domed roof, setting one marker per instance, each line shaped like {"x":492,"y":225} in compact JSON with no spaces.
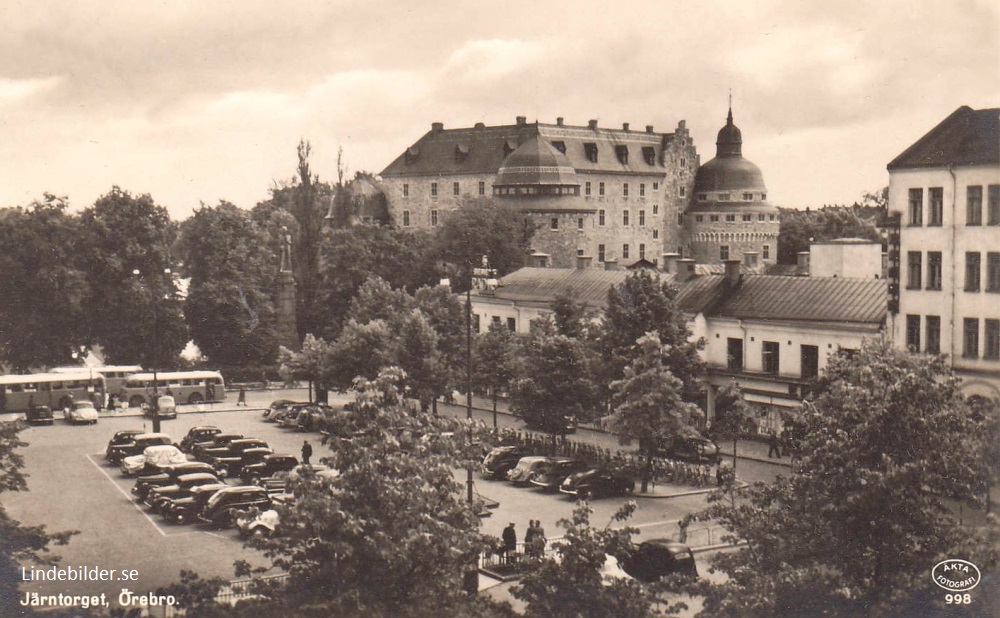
{"x":729,"y":143}
{"x":536,"y":162}
{"x":729,"y":171}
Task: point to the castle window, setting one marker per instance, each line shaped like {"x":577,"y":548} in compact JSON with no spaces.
{"x":699,"y":218}
{"x":642,"y":251}
{"x":579,"y":253}
{"x":763,"y":197}
{"x":406,"y":218}
{"x":625,"y":218}
{"x":600,"y":189}
{"x":434,"y":189}
{"x":434,"y":218}
{"x":713,"y":218}
{"x":600,"y":253}
{"x":684,"y":162}
{"x":747,"y":217}
{"x":625,"y":251}
{"x":766,"y":253}
{"x":579,"y":223}
{"x":702,"y":197}
{"x":730,"y":218}
{"x":649,"y":156}
{"x":507,"y":148}
{"x":681,"y":191}
{"x":600,"y":217}
{"x":560,"y":146}
{"x":461,"y":152}
{"x":554,"y":223}
{"x":748,"y":197}
{"x":454,"y":188}
{"x":772,"y":217}
{"x":621,"y":151}
{"x":590,"y":149}
{"x":656,"y":233}
{"x":642,"y":189}
{"x":724,"y":252}
{"x":656,"y":186}
{"x":761,"y":217}
{"x":642,"y":218}
{"x":482,"y":188}
{"x":723,"y":197}
{"x":406,"y":189}
{"x":680,"y":218}
{"x":625,"y":189}
{"x":586,"y":188}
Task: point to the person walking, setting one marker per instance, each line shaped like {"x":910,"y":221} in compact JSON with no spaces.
{"x":529,"y":537}
{"x":509,"y":538}
{"x":307,"y":451}
{"x":773,"y":446}
{"x":242,"y":399}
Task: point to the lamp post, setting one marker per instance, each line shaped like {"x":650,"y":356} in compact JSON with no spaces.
{"x":155,"y":354}
{"x":479,"y":277}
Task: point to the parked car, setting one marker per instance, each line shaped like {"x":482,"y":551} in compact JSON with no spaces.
{"x":183,"y":510}
{"x":152,"y":460}
{"x":216,"y":441}
{"x":39,"y":415}
{"x":232,"y":449}
{"x":290,"y":418}
{"x":168,"y":475}
{"x":82,"y":412}
{"x":526,"y":467}
{"x":200,"y":433}
{"x":279,"y":406}
{"x":502,"y":459}
{"x":158,"y":496}
{"x":598,"y":483}
{"x":553,"y":473}
{"x":313,"y":417}
{"x":258,"y":523}
{"x":221,"y":509}
{"x":136,"y":445}
{"x":696,"y":448}
{"x":232,"y":466}
{"x":560,"y":425}
{"x":267,"y":467}
{"x":166,"y":407}
{"x":657,"y":558}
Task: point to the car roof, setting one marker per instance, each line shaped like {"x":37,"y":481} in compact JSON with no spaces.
{"x":533,"y":459}
{"x":204,"y":428}
{"x":196,"y":476}
{"x":668,"y":544}
{"x":149,"y":436}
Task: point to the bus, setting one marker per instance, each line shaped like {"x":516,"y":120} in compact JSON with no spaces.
{"x":19,"y":393}
{"x":183,"y":386}
{"x":114,"y":375}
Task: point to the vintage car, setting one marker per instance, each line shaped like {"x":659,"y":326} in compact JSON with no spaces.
{"x":216,"y":441}
{"x":168,"y":475}
{"x":553,"y":473}
{"x":183,"y":510}
{"x":82,"y":412}
{"x":278,"y":407}
{"x":658,"y":558}
{"x":158,"y":496}
{"x":695,"y":447}
{"x":500,"y":460}
{"x":255,"y":522}
{"x":199,"y":433}
{"x":290,"y":418}
{"x":313,"y":417}
{"x":39,"y":415}
{"x":526,"y":467}
{"x":559,"y":425}
{"x":231,"y":449}
{"x":152,"y":460}
{"x":598,"y":483}
{"x":166,"y":407}
{"x":267,"y":467}
{"x":222,"y":508}
{"x":232,"y":466}
{"x":134,"y":446}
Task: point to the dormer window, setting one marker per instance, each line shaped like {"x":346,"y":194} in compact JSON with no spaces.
{"x":461,"y":152}
{"x":560,"y":146}
{"x":590,"y":149}
{"x":723,"y":197}
{"x":507,"y":148}
{"x":748,"y":197}
{"x":411,"y":154}
{"x":621,"y":151}
{"x":649,"y":155}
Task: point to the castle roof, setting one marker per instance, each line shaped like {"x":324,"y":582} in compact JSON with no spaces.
{"x":729,"y":171}
{"x":536,"y":162}
{"x":966,"y":137}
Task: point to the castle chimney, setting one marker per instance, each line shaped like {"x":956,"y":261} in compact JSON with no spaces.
{"x":685,"y":270}
{"x":437,"y":127}
{"x":649,"y":128}
{"x":559,"y":121}
{"x":732,"y":272}
{"x":480,"y":125}
{"x":583,"y":262}
{"x":670,"y":262}
{"x":624,"y":126}
{"x":802,"y":263}
{"x":522,"y":120}
{"x":611,"y":264}
{"x":592,"y":124}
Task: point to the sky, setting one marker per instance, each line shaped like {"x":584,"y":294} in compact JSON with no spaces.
{"x":195,"y":102}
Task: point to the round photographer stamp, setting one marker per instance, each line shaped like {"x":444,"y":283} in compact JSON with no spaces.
{"x":956,"y":575}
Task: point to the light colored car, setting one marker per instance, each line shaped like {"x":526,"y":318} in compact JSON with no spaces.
{"x":256,"y":523}
{"x":81,"y":412}
{"x":526,"y":468}
{"x":153,"y":458}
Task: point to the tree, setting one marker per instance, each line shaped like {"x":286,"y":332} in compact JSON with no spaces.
{"x":135,"y":318}
{"x":45,"y":288}
{"x":573,"y":318}
{"x":649,"y":403}
{"x":419,"y":356}
{"x":361,"y":350}
{"x":19,"y":543}
{"x":233,"y":267}
{"x":733,"y":416}
{"x":857,"y":526}
{"x":480,"y":228}
{"x":446,"y":315}
{"x":801,"y":227}
{"x":376,"y":300}
{"x":494,"y":362}
{"x":571,"y":583}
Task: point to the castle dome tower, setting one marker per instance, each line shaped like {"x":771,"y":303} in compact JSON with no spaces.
{"x":730,"y":217}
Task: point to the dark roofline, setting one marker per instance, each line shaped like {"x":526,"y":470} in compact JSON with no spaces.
{"x":900,"y":161}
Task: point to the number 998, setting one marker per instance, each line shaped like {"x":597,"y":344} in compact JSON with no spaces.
{"x":958,"y":599}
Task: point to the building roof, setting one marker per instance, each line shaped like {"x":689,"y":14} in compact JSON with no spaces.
{"x":729,"y":171}
{"x":536,"y":162}
{"x":966,"y":137}
{"x":834,"y":299}
{"x":482,"y":149}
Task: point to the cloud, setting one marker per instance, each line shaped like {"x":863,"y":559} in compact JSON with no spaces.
{"x":17,"y":90}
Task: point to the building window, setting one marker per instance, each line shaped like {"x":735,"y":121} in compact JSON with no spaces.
{"x":625,"y":189}
{"x":434,"y":189}
{"x":913,"y":263}
{"x":656,"y":186}
{"x":761,"y":217}
{"x":625,"y":251}
{"x":810,"y":361}
{"x":579,"y":223}
{"x":702,"y":197}
{"x":734,"y":354}
{"x":713,"y":218}
{"x":680,"y":218}
{"x":935,"y":214}
{"x":913,"y":333}
{"x":656,"y":209}
{"x":681,"y":191}
{"x":993,"y":272}
{"x":748,"y":197}
{"x":656,"y":233}
{"x":434,"y":218}
{"x":600,"y":217}
{"x":993,"y":210}
{"x":642,"y":251}
{"x":621,"y":151}
{"x":730,"y":218}
{"x":724,"y":252}
{"x":406,"y":189}
{"x":934,"y":270}
{"x":932,"y":324}
{"x":625,"y":218}
{"x":699,"y":218}
{"x":723,"y":197}
{"x":600,"y":189}
{"x":766,"y":252}
{"x":642,"y":189}
{"x":454,"y":188}
{"x":992,"y":348}
{"x":746,"y":217}
{"x":590,"y":149}
{"x":972,"y":262}
{"x":586,"y":188}
{"x":512,"y":325}
{"x":579,"y":253}
{"x":642,"y":218}
{"x":482,"y":187}
{"x":554,"y":223}
{"x":974,"y":205}
{"x":770,"y":360}
{"x":771,"y":217}
{"x":600,"y":253}
{"x":970,"y":338}
{"x":684,"y":162}
{"x":496,"y":319}
{"x":916,"y":206}
{"x":406,"y":218}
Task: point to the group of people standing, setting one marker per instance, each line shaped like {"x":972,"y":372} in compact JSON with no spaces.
{"x":534,"y":540}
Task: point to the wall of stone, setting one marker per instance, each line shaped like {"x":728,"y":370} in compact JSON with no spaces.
{"x":681,"y":160}
{"x":707,"y":237}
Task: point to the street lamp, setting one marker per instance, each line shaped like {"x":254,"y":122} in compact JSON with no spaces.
{"x":156,"y":353}
{"x":479,"y":277}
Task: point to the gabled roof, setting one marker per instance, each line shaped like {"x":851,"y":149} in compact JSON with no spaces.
{"x":966,"y":137}
{"x":834,"y":299}
{"x":482,"y":149}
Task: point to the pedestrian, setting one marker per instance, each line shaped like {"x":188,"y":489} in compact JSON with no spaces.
{"x":539,"y":538}
{"x":682,"y":534}
{"x":530,"y":535}
{"x":773,"y":446}
{"x":307,"y":451}
{"x":509,"y":538}
{"x":242,"y":399}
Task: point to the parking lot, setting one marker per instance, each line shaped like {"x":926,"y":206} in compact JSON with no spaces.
{"x":72,"y":488}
